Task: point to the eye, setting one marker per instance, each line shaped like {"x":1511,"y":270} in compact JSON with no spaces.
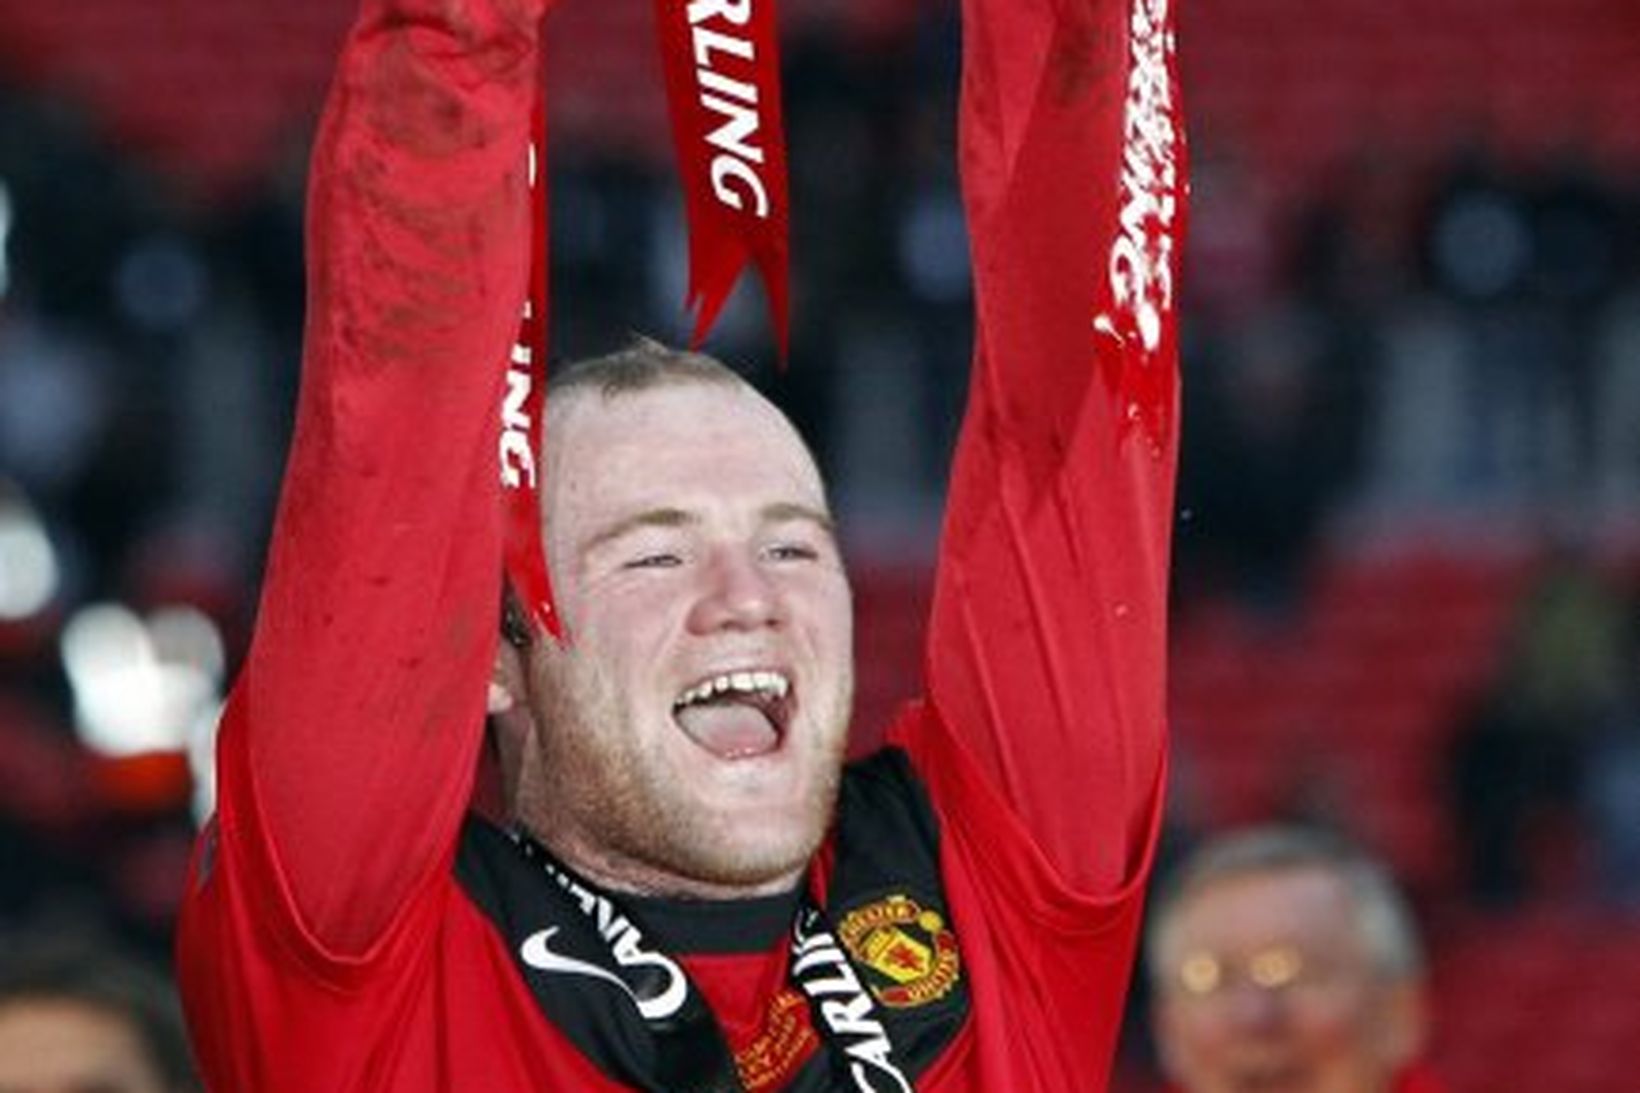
{"x":660,"y":559}
{"x":791,"y":552}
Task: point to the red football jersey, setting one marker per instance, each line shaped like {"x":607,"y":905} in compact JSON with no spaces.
{"x":347,"y":928}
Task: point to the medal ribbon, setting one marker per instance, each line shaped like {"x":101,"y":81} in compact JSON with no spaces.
{"x":722,"y":65}
{"x":522,"y":409}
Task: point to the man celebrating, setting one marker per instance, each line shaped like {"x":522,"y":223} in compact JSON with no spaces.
{"x":693,"y":894}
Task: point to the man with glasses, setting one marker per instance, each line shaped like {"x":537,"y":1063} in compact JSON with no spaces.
{"x":1284,"y":959}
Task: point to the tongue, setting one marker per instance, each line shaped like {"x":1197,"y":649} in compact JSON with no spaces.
{"x":729,"y":730}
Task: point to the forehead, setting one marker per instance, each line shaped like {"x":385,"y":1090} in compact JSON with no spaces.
{"x":678,"y":445}
{"x":1305,"y":906}
{"x":51,"y":1043}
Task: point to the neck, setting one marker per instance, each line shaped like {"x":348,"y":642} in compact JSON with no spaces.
{"x":627,"y":874}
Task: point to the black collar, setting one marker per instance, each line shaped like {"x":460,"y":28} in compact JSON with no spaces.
{"x":691,"y":927}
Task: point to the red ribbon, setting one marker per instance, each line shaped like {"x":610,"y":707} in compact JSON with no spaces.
{"x":523,"y":406}
{"x":722,"y":64}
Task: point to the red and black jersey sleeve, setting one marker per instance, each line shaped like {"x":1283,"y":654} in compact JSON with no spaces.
{"x":350,"y":737}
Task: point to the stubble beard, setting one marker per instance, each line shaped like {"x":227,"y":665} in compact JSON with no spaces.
{"x":624,"y":819}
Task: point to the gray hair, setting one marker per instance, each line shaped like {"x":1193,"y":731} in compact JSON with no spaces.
{"x":1382,"y":916}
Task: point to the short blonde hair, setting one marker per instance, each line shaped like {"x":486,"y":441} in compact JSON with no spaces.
{"x":641,"y":364}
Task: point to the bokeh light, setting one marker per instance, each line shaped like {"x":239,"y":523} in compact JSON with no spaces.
{"x":141,"y":685}
{"x":29,"y":573}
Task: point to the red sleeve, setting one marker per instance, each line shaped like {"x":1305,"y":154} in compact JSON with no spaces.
{"x":1047,"y":963}
{"x":1046,"y":648}
{"x":350,"y":738}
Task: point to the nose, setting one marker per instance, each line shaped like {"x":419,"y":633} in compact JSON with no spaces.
{"x":1250,"y":1006}
{"x":737,"y":594}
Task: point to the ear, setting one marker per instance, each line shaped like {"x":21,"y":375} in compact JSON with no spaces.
{"x":507,"y":689}
{"x":510,"y":719}
{"x":1405,"y":1025}
{"x":1165,"y":1033}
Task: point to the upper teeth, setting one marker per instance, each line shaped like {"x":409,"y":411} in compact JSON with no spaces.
{"x":771,"y":683}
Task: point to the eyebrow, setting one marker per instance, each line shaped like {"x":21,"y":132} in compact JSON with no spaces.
{"x":648,"y":518}
{"x":781,"y":512}
{"x":776,"y":512}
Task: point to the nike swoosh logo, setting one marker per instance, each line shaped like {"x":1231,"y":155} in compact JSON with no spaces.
{"x":537,"y":952}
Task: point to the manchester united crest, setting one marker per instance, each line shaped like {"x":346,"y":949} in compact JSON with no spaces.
{"x":911,"y":950}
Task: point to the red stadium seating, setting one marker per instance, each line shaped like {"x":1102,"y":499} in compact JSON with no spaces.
{"x":1539,"y":1001}
{"x":211,"y":88}
{"x":1346,"y":714}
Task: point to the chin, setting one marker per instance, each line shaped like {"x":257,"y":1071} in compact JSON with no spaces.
{"x":757,"y":846}
{"x":753,"y":874}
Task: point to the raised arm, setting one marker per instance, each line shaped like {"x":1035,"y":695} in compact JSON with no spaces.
{"x":351,"y":735}
{"x":1046,"y":649}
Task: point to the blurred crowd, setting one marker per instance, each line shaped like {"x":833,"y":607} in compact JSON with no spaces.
{"x":1402,"y":347}
{"x":1455,"y":346}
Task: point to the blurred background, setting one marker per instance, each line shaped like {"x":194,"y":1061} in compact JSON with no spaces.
{"x":1408,"y":535}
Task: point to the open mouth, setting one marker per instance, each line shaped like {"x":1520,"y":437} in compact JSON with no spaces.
{"x":736,"y":715}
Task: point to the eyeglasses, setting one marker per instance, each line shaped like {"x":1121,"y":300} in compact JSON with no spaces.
{"x":1279,"y":969}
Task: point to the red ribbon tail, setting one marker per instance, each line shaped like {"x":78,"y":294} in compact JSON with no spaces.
{"x":723,"y":93}
{"x":523,"y":413}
